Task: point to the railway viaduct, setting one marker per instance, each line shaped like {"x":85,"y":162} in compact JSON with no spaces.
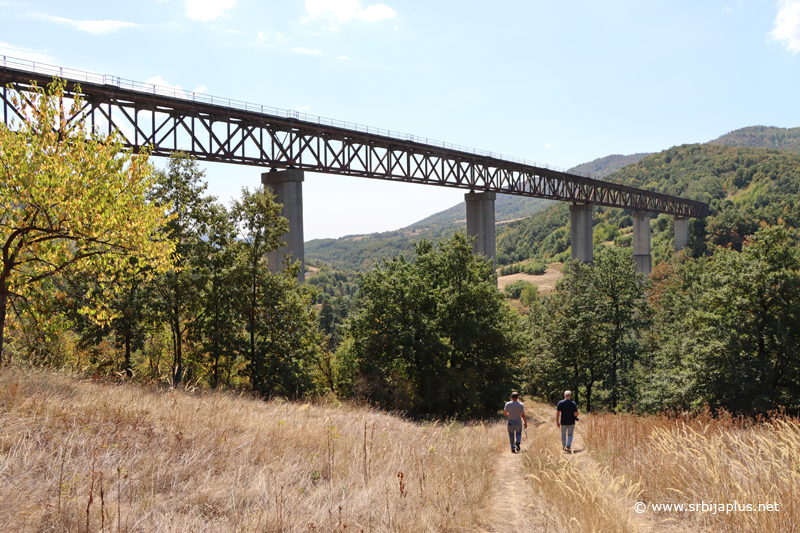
{"x":289,"y":143}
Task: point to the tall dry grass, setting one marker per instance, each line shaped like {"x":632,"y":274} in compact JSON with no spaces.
{"x":691,"y":459}
{"x":79,"y":456}
{"x":583,"y":497}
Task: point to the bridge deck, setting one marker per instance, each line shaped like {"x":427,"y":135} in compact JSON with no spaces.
{"x":214,"y":129}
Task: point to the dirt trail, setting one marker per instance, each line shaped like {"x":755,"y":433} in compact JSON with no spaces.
{"x":514,"y":506}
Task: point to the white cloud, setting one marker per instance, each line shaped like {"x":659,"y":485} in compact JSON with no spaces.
{"x":344,"y":58}
{"x":303,"y":108}
{"x":787,"y":26}
{"x":24,"y":53}
{"x":95,"y":27}
{"x":306,"y":51}
{"x":346,"y":10}
{"x":377,"y":13}
{"x":201,"y":89}
{"x":272,"y":38}
{"x":207,"y":10}
{"x":551,"y":145}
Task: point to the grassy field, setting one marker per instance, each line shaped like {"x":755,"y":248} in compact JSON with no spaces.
{"x":81,"y":456}
{"x":679,"y":459}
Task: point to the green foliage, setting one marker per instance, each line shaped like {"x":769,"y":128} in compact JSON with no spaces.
{"x":180,"y":190}
{"x":727,"y":329}
{"x":435,"y":336}
{"x":536,"y":269}
{"x":529,"y":295}
{"x":283,"y":341}
{"x":514,"y":290}
{"x":71,"y":199}
{"x":586,"y":335}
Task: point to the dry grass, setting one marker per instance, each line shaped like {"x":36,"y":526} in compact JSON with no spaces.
{"x":80,"y":456}
{"x":582,"y":496}
{"x":546,"y":282}
{"x":695,"y":459}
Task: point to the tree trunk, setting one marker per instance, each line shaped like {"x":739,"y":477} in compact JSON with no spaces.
{"x":128,"y":371}
{"x":3,"y":304}
{"x":177,"y":367}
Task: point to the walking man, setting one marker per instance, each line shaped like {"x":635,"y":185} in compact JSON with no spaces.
{"x":515,"y":412}
{"x":566,"y":415}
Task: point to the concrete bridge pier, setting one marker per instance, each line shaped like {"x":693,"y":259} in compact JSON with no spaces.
{"x":681,"y":233}
{"x":580,"y":233}
{"x":287,"y":186}
{"x":480,"y":222}
{"x":641,"y":242}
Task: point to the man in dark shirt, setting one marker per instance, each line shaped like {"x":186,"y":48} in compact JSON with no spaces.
{"x":566,"y":415}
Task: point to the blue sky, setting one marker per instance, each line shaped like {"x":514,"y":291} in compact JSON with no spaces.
{"x":560,"y":83}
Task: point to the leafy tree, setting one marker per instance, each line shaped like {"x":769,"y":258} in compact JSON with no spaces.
{"x":217,"y":328}
{"x":180,"y":191}
{"x":70,"y":199}
{"x":587,"y":334}
{"x":435,"y":336}
{"x":567,"y":349}
{"x":283,"y":339}
{"x":737,"y":314}
{"x":622,"y":313}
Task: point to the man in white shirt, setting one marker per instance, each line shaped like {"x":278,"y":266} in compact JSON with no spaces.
{"x":515,"y":412}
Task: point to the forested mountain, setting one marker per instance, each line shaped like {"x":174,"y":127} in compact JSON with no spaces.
{"x":719,"y":170}
{"x":745,"y":187}
{"x":506,"y":207}
{"x":763,"y":137}
{"x":363,"y":251}
{"x":605,"y":166}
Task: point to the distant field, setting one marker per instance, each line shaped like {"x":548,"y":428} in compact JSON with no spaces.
{"x":546,"y":282}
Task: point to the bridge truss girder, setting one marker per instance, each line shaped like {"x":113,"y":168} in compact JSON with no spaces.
{"x":218,"y":133}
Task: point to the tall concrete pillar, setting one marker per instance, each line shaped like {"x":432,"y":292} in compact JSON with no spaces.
{"x":480,"y":222}
{"x":580,"y":217}
{"x":287,"y":186}
{"x":681,"y":233}
{"x":641,"y":242}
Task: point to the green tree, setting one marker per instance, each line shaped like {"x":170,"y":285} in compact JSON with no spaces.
{"x":742,"y":328}
{"x":567,"y":351}
{"x":587,"y":334}
{"x":435,"y":336}
{"x":180,"y":191}
{"x":283,"y":336}
{"x":70,"y":198}
{"x":622,"y":314}
{"x":217,"y":328}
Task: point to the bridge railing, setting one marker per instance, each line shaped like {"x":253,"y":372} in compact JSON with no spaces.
{"x":175,"y":92}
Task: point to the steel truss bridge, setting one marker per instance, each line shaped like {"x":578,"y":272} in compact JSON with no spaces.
{"x":221,"y":130}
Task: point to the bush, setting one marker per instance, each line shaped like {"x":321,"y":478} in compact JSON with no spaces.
{"x":536,"y":269}
{"x":623,"y":241}
{"x":514,"y":290}
{"x":529,"y":295}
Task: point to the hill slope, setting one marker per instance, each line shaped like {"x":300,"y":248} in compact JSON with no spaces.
{"x":364,"y":251}
{"x":744,"y":186}
{"x":787,"y":139}
{"x":165,"y":460}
